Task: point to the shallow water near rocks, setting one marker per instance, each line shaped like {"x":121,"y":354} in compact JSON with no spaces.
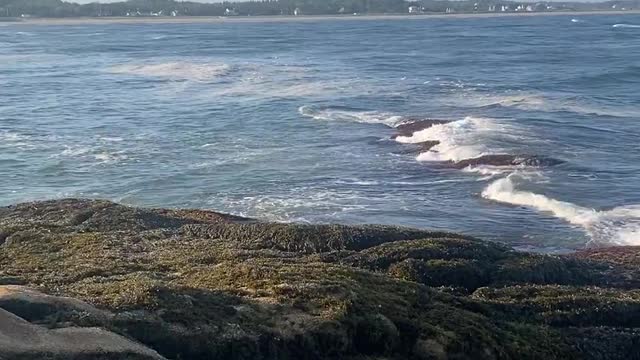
{"x":292,"y":121}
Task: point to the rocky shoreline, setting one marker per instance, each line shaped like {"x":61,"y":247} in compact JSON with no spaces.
{"x":87,"y":279}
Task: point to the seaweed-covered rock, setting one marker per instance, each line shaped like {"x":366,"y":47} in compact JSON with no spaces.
{"x":194,"y":284}
{"x":568,"y":305}
{"x":619,"y":266}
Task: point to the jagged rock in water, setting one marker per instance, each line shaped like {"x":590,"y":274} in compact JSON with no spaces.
{"x":508,"y":160}
{"x":411,"y":126}
{"x":420,"y":147}
{"x":193,"y":284}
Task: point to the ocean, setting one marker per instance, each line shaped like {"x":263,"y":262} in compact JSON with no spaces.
{"x":293,"y":121}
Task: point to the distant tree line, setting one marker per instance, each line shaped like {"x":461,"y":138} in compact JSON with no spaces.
{"x":59,"y":8}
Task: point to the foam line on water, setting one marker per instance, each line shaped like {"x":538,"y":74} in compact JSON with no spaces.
{"x":352,"y":115}
{"x":540,"y":102}
{"x":628,"y":26}
{"x":488,"y":172}
{"x":177,"y":70}
{"x":526,"y":101}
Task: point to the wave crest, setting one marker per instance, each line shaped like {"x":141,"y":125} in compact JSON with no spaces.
{"x":628,"y":26}
{"x":620,"y":226}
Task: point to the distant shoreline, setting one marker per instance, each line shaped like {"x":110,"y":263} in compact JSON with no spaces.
{"x":216,"y":19}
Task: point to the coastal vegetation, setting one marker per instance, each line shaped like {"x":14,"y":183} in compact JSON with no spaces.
{"x":193,"y":284}
{"x":59,"y":8}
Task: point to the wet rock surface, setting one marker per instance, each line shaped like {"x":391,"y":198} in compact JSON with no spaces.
{"x":411,"y":126}
{"x":193,"y":284}
{"x":508,"y":160}
{"x":417,"y":148}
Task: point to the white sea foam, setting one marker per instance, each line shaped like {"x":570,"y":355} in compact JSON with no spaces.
{"x":523,"y":101}
{"x":576,"y":20}
{"x":110,"y":157}
{"x":269,"y":86}
{"x":344,"y":114}
{"x":111,"y":139}
{"x":629,"y":26}
{"x":360,"y":182}
{"x":6,"y":136}
{"x":178,"y":70}
{"x":488,"y":171}
{"x":92,"y":154}
{"x":76,"y":151}
{"x":539,"y":102}
{"x":294,"y":205}
{"x":459,"y":140}
{"x":619,"y":226}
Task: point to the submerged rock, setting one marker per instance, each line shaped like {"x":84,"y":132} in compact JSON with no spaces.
{"x":193,"y":284}
{"x":508,"y":160}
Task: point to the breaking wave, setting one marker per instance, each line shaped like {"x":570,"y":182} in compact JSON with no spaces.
{"x":348,"y":114}
{"x":198,"y":72}
{"x":458,"y":140}
{"x":488,"y":171}
{"x":474,"y":137}
{"x":620,"y":226}
{"x":629,"y":26}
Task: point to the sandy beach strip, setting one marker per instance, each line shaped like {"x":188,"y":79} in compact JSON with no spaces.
{"x":216,"y":19}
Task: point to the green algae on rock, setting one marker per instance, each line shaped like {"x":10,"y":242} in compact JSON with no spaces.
{"x":193,"y":284}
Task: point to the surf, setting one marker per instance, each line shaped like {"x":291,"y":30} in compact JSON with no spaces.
{"x":618,"y":226}
{"x":627,"y":26}
{"x":457,"y":140}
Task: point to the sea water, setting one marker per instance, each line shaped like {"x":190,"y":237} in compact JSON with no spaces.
{"x":293,"y":121}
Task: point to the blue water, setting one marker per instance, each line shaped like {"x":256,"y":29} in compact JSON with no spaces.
{"x":291,"y":121}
